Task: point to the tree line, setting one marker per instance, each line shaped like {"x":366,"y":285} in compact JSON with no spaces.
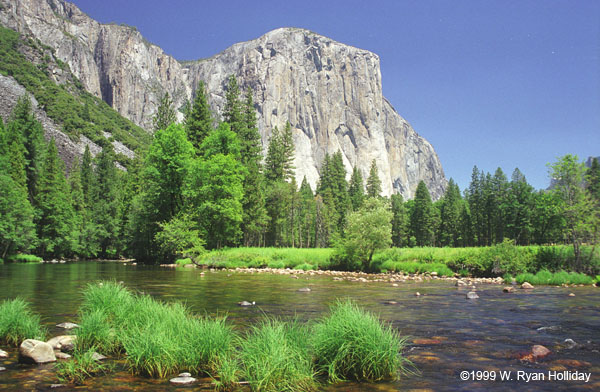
{"x":205,"y":184}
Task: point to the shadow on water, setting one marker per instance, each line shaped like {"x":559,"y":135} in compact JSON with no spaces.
{"x":448,"y":333}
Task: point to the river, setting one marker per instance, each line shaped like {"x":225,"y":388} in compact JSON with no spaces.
{"x":448,"y":333}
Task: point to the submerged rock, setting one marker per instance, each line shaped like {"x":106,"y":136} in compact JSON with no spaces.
{"x":527,"y":286}
{"x":472,"y":295}
{"x":182,"y":380}
{"x":304,"y":290}
{"x":36,"y":351}
{"x":246,"y":303}
{"x":571,"y":294}
{"x":508,"y":289}
{"x":67,"y":325}
{"x":570,"y":343}
{"x":539,"y":351}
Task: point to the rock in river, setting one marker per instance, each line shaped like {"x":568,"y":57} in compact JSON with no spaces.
{"x":304,"y":290}
{"x":63,"y":341}
{"x":472,"y":295}
{"x":246,"y":303}
{"x":527,"y":286}
{"x":3,"y":354}
{"x":32,"y":350}
{"x":508,"y":289}
{"x":182,"y":380}
{"x":67,"y":325}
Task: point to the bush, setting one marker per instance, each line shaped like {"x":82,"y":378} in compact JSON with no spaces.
{"x":276,"y":357}
{"x":350,"y":343}
{"x":545,"y":277}
{"x":18,"y":322}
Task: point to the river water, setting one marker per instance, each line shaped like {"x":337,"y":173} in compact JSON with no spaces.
{"x":448,"y":334}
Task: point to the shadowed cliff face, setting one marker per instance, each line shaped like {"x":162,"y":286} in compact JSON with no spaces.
{"x":329,"y":92}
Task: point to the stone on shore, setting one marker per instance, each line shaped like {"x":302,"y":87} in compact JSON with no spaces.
{"x":36,"y":351}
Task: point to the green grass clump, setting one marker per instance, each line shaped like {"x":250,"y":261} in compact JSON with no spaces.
{"x":351,"y":344}
{"x":545,"y":277}
{"x":80,"y":367}
{"x":183,"y":261}
{"x":18,"y":322}
{"x":25,"y":258}
{"x":276,"y":357}
{"x":158,"y":339}
{"x":268,"y":257}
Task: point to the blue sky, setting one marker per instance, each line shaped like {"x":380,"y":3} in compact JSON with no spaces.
{"x":498,"y":83}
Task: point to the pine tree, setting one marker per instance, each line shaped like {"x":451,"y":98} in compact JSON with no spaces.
{"x":87,"y":176}
{"x":56,"y":223}
{"x":373,"y":182}
{"x":280,"y":156}
{"x":518,"y":207}
{"x":422,"y":218}
{"x":106,"y":201}
{"x":451,"y":207}
{"x":198,"y":120}
{"x":78,"y":203}
{"x":24,"y":122}
{"x":593,"y":179}
{"x":17,"y":229}
{"x":356,"y":190}
{"x":165,"y":113}
{"x":306,"y":215}
{"x":233,"y":112}
{"x":400,"y":221}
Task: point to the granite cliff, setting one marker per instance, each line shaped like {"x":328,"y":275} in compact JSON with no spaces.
{"x":330,"y":92}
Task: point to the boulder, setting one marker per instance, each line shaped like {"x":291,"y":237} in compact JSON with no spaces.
{"x":36,"y":351}
{"x":472,"y":295}
{"x":527,"y":286}
{"x":61,"y":355}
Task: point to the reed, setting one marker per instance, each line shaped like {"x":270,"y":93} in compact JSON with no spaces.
{"x":81,"y":366}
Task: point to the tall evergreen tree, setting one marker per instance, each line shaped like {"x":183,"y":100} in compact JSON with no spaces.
{"x":518,"y":207}
{"x":373,"y":182}
{"x":165,"y":113}
{"x":56,"y":224}
{"x":593,"y":179}
{"x":306,"y":215}
{"x":17,"y":229}
{"x":87,"y":176}
{"x":23,"y":121}
{"x":198,"y":120}
{"x":422,"y":218}
{"x":280,"y":156}
{"x":400,"y":221}
{"x":356,"y":189}
{"x":255,"y":215}
{"x":106,"y":201}
{"x":451,"y":207}
{"x":233,"y":112}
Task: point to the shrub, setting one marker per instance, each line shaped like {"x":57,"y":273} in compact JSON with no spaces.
{"x":276,"y":357}
{"x":18,"y":322}
{"x":350,"y":343}
{"x":545,"y":277}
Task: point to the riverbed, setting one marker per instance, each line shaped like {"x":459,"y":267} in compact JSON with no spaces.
{"x":447,"y":334}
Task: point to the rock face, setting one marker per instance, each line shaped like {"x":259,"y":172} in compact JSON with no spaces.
{"x":329,"y":92}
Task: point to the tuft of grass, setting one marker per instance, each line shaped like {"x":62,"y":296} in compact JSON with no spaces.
{"x":25,"y":258}
{"x":545,"y":277}
{"x":352,"y":344}
{"x":276,"y":357}
{"x":272,"y":257}
{"x":158,"y":339}
{"x":80,"y":367}
{"x":183,"y":261}
{"x":18,"y":322}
